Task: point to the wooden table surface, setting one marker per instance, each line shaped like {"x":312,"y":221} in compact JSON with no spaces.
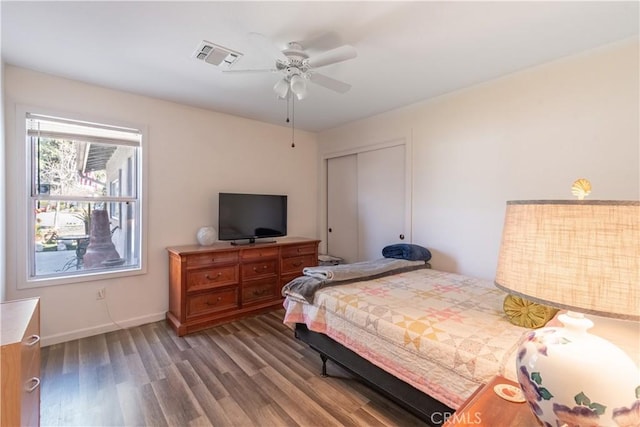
{"x":486,"y":408}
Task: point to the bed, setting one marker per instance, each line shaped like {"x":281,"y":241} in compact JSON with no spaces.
{"x":424,"y":337}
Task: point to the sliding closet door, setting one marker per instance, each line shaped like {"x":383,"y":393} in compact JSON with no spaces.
{"x":365,"y":202}
{"x":342,"y":208}
{"x":381,"y":200}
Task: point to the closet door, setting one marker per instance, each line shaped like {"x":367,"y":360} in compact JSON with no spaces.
{"x":342,"y":208}
{"x":365,"y":203}
{"x":381,"y":200}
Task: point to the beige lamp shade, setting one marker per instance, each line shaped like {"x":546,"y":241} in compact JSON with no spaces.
{"x":578,"y":255}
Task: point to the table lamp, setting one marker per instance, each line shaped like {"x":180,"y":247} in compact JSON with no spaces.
{"x":582,"y":256}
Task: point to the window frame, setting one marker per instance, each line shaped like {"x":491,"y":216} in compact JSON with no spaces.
{"x":114,"y":188}
{"x":25,"y":221}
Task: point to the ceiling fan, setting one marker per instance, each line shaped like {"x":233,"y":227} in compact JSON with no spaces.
{"x":297,"y":67}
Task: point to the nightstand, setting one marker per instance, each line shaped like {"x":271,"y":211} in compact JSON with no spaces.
{"x":486,"y":408}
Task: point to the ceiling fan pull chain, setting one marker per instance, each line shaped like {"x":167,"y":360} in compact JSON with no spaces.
{"x":293,"y":118}
{"x":287,"y":108}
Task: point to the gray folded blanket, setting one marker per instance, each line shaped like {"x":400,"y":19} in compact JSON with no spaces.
{"x":315,"y":278}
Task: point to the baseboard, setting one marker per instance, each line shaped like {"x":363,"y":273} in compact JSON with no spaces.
{"x":100,"y":329}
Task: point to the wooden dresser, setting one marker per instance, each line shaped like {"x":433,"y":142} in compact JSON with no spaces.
{"x":218,"y":283}
{"x":20,"y":366}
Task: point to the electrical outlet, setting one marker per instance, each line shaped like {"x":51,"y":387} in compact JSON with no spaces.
{"x":102,"y":293}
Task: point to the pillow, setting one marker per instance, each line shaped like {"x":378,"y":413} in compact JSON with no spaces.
{"x":406,"y":251}
{"x":525,"y":313}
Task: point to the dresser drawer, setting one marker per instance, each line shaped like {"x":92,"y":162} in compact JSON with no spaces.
{"x":211,"y":278}
{"x":30,"y":375}
{"x":20,"y":363}
{"x":30,"y":359}
{"x":255,"y":253}
{"x":255,"y":270}
{"x":30,"y":410}
{"x":296,"y":264}
{"x":211,"y":259}
{"x":292,"y":251}
{"x":211,"y":302}
{"x":259,"y":290}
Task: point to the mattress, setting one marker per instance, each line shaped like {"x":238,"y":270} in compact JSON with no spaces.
{"x":443,"y":333}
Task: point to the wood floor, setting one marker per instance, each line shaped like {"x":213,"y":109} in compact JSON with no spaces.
{"x":251,"y":372}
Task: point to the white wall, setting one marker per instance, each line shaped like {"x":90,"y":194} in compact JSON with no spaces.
{"x":192,"y":155}
{"x":528,"y":135}
{"x":3,"y":181}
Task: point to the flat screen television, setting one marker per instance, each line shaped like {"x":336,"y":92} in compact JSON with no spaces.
{"x":251,"y":216}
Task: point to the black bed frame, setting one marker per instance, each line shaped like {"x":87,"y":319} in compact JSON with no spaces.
{"x":423,"y":406}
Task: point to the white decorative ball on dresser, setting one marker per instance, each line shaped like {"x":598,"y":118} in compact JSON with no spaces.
{"x":207,"y":236}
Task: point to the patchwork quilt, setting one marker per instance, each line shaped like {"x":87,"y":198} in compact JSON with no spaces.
{"x":443,"y":333}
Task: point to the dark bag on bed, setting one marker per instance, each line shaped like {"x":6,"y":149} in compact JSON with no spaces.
{"x":407,"y":251}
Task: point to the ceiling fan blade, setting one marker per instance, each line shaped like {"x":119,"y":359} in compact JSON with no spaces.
{"x":332,"y":56}
{"x":266,"y":45}
{"x":252,"y":71}
{"x":329,"y":83}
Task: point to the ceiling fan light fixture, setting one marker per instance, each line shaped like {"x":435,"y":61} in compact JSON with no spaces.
{"x":294,"y":65}
{"x":281,"y":88}
{"x":299,"y":86}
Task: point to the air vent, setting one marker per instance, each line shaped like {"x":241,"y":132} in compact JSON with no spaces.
{"x":216,"y":55}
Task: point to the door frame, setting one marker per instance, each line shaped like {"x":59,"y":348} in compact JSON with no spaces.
{"x":406,"y":141}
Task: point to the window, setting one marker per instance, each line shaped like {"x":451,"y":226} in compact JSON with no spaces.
{"x":83,"y":220}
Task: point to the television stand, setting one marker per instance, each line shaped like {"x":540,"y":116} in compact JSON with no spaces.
{"x":251,"y":241}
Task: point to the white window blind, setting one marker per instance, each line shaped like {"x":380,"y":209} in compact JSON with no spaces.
{"x":58,"y":128}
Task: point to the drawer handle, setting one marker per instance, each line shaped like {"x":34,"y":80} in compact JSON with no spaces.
{"x":217,"y":301}
{"x":262,"y":292}
{"x":32,"y":340}
{"x":34,"y":383}
{"x":264,"y":267}
{"x":297,"y":264}
{"x":213,"y":278}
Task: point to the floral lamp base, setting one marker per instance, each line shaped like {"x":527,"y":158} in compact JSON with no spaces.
{"x":573,"y":378}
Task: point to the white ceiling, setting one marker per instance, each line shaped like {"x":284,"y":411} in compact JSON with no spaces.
{"x":407,"y":51}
